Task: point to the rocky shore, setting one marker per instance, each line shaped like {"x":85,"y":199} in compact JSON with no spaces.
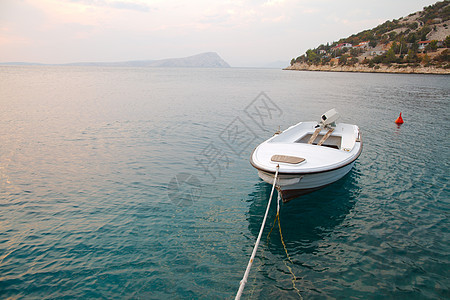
{"x":366,"y":69}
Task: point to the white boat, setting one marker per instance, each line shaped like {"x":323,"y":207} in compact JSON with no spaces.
{"x":309,"y":155}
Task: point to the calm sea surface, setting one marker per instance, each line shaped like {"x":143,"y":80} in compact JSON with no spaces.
{"x":135,"y":183}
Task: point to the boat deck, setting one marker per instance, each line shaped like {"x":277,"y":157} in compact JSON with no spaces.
{"x":291,"y":149}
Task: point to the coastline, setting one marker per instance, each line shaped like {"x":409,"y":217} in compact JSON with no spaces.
{"x":365,"y":69}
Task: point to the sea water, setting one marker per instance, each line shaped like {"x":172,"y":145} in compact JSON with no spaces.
{"x":136,"y":183}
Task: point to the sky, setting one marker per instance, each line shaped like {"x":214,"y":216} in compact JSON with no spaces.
{"x":245,"y":33}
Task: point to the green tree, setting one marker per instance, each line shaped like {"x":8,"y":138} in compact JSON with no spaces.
{"x":412,"y":56}
{"x":390,"y":56}
{"x":378,"y":59}
{"x":400,"y":47}
{"x":423,"y":32}
{"x":392,"y":35}
{"x":352,"y":61}
{"x":414,"y":47}
{"x":426,"y":60}
{"x":343,"y":59}
{"x":412,"y":37}
{"x":413,"y":25}
{"x":301,"y":59}
{"x":354,"y":52}
{"x":443,"y":57}
{"x":312,"y":57}
{"x":431,"y":46}
{"x":373,"y":43}
{"x":395,"y":47}
{"x":447,"y":41}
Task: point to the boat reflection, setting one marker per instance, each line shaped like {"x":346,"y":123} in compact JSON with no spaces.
{"x":305,"y":220}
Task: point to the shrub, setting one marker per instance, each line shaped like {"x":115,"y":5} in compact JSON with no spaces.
{"x":443,"y":57}
{"x":447,"y":41}
{"x":431,"y":46}
{"x":373,"y":43}
{"x":352,"y":61}
{"x":343,"y":60}
{"x":426,"y":60}
{"x":413,"y":25}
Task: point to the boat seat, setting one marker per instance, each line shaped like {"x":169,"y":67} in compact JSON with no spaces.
{"x":348,"y":139}
{"x":315,"y":134}
{"x":325,"y":137}
{"x":287,"y":159}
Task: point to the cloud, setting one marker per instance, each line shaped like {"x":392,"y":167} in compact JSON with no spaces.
{"x":270,"y":3}
{"x":214,"y":19}
{"x":130,"y":5}
{"x":7,"y":37}
{"x":310,"y":10}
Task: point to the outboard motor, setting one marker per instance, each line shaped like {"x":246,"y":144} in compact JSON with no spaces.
{"x":329,"y":118}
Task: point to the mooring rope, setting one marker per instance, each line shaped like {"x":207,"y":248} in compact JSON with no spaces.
{"x":277,"y":218}
{"x":294,"y":278}
{"x":252,"y":257}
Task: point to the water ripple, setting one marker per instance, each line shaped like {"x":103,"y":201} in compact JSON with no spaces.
{"x":87,"y":155}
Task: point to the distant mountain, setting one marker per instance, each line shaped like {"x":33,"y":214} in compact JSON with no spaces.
{"x":203,"y":60}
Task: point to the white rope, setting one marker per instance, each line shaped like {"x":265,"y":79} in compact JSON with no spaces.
{"x":252,"y":257}
{"x":278,"y":202}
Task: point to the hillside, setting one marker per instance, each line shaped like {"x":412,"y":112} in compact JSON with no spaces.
{"x":203,"y":60}
{"x":417,"y":43}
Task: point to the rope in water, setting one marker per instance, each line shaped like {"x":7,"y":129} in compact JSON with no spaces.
{"x":277,"y":218}
{"x":294,"y":278}
{"x":252,"y":257}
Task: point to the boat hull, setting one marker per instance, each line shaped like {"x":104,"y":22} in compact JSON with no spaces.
{"x":294,"y":185}
{"x":307,"y":157}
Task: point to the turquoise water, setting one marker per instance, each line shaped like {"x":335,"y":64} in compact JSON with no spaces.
{"x":135,"y":183}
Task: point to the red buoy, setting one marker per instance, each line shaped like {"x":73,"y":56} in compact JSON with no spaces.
{"x":399,"y":119}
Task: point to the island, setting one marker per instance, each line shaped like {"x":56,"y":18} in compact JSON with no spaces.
{"x":202,"y":60}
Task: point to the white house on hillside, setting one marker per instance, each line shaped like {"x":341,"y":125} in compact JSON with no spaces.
{"x":362,"y":45}
{"x":343,"y":45}
{"x":423,"y":44}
